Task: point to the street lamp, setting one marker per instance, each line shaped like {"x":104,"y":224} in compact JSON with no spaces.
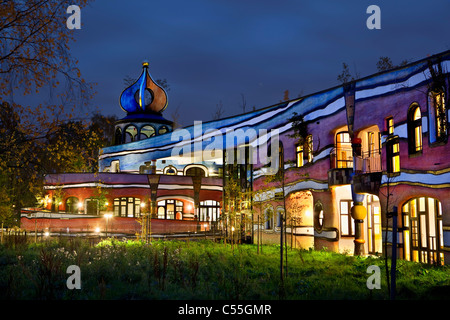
{"x":153,"y":181}
{"x":107,"y":216}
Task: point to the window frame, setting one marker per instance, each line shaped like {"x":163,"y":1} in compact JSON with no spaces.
{"x":415,"y":140}
{"x":348,"y":218}
{"x":121,"y":207}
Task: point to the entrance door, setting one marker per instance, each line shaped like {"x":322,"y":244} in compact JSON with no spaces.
{"x":422,"y":218}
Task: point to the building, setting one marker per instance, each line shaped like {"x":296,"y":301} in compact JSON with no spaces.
{"x":363,"y":165}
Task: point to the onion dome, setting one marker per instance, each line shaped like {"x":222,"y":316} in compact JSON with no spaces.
{"x":144,"y":96}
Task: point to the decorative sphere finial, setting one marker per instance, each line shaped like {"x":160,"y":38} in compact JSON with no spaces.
{"x":145,"y":63}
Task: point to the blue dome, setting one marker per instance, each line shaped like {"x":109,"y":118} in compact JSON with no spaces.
{"x":144,"y":95}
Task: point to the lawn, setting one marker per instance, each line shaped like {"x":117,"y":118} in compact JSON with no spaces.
{"x":205,"y":270}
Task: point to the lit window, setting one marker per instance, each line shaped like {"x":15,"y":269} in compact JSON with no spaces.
{"x":390,"y":125}
{"x":209,"y":210}
{"x":299,"y":153}
{"x":437,"y":117}
{"x":414,"y":130}
{"x":170,"y":209}
{"x":344,"y":151}
{"x":304,"y":152}
{"x":309,"y":148}
{"x":127,"y":207}
{"x":423,"y":230}
{"x":393,"y":155}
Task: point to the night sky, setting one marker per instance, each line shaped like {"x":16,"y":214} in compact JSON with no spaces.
{"x":212,"y":51}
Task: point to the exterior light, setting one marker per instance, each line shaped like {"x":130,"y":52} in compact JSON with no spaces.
{"x":232,"y":229}
{"x":46,"y":233}
{"x":80,"y":205}
{"x":97,"y":230}
{"x":106,"y":203}
{"x":189,"y":207}
{"x":107,"y":215}
{"x":142,"y":204}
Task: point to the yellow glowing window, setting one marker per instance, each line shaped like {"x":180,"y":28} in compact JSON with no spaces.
{"x":390,"y":125}
{"x":299,"y":153}
{"x":415,"y":131}
{"x":395,"y":148}
{"x":393,"y":154}
{"x":396,"y":164}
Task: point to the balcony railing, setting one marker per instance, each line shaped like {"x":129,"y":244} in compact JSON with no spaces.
{"x":368,"y":162}
{"x":341,"y":158}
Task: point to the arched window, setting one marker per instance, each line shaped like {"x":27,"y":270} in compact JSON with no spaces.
{"x":147,"y":131}
{"x":163,"y":130}
{"x":118,"y":136}
{"x":72,"y":205}
{"x":344,"y":152}
{"x":195,"y":172}
{"x":170,"y":170}
{"x":268,"y":218}
{"x":280,"y":211}
{"x":423,"y":231}
{"x":130,"y":134}
{"x":414,"y":130}
{"x":127,"y":207}
{"x":91,"y":206}
{"x":170,"y":209}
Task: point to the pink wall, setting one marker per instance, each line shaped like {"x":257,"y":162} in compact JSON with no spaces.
{"x":115,"y":224}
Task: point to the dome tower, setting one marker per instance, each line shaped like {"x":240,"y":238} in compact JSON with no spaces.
{"x":143,"y":102}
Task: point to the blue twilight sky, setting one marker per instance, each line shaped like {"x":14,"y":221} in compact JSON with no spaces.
{"x":212,"y":51}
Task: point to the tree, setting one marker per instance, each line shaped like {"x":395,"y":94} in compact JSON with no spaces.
{"x":385,"y":63}
{"x":34,"y":54}
{"x":345,"y":76}
{"x":175,"y":115}
{"x":34,"y":48}
{"x":218,"y":113}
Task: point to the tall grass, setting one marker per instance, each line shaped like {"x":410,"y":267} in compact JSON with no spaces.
{"x":116,"y":269}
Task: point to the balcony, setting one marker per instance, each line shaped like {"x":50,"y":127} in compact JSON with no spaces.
{"x":341,"y":166}
{"x":367,"y":171}
{"x":367,"y":178}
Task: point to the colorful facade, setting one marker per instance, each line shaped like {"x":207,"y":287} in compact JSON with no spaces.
{"x":366,"y":152}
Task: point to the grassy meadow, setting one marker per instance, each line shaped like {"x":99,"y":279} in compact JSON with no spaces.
{"x":133,"y":270}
